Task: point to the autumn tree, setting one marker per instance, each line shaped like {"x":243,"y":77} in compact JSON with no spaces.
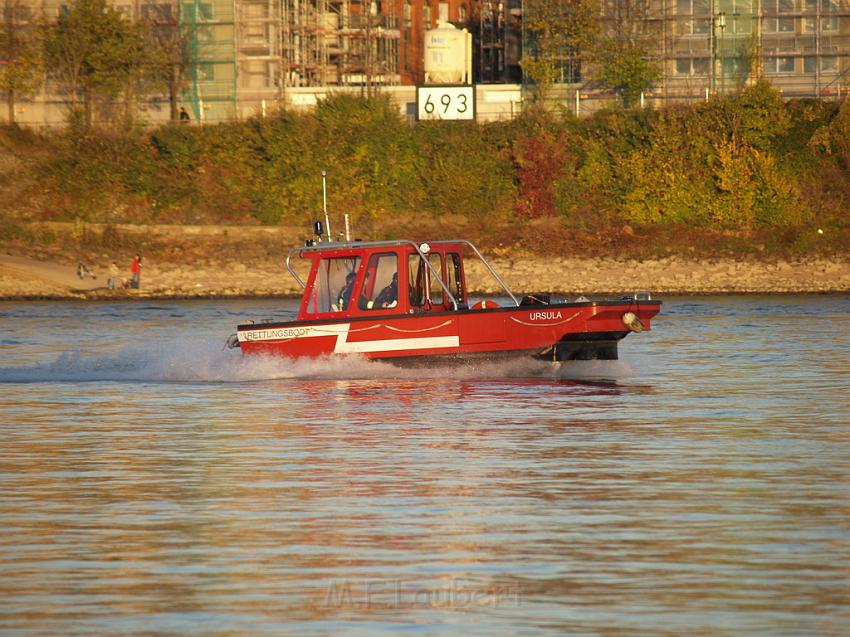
{"x":559,"y":31}
{"x":93,"y":51}
{"x":132,"y":65}
{"x":170,"y":55}
{"x":624,"y":54}
{"x":21,"y":61}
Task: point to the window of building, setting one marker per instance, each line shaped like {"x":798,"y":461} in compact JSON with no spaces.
{"x":426,"y":15}
{"x":829,"y":23}
{"x":205,"y":11}
{"x":785,"y":64}
{"x":778,"y":16}
{"x":739,"y":17}
{"x":255,"y":33}
{"x":694,"y":17}
{"x":206,"y":71}
{"x":810,"y":64}
{"x":779,"y":64}
{"x":407,"y":16}
{"x":256,"y":74}
{"x":444,"y":11}
{"x":462,"y":13}
{"x":692,"y":66}
{"x":829,"y":64}
{"x":825,"y":6}
{"x":733,"y":67}
{"x":255,"y":10}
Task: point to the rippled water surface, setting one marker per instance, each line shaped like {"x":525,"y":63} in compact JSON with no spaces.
{"x":152,"y":483}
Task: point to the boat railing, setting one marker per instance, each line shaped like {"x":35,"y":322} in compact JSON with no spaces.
{"x":490,"y":269}
{"x":386,"y":244}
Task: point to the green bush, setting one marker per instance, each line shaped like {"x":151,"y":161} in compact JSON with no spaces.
{"x":739,"y":161}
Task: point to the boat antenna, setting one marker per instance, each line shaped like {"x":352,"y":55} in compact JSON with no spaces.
{"x":325,"y":202}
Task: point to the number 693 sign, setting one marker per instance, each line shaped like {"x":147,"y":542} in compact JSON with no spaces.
{"x":445,"y":102}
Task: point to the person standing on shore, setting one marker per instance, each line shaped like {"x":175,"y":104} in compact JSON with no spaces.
{"x":136,"y":271}
{"x":112,"y":283}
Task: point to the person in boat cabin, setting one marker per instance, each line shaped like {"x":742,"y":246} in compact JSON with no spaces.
{"x":345,"y":293}
{"x":388,"y":297}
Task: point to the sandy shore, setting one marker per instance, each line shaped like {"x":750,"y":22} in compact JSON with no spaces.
{"x":28,"y":278}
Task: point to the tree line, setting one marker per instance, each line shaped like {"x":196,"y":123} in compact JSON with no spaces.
{"x":744,"y":161}
{"x":94,"y":53}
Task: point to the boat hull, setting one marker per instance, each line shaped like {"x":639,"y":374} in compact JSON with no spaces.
{"x":565,"y":331}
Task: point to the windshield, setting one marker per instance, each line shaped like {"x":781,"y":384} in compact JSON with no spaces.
{"x":333,"y":285}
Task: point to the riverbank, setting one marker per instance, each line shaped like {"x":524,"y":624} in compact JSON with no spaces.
{"x":39,"y":260}
{"x":27,"y":278}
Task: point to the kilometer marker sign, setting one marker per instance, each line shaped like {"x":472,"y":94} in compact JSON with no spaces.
{"x":445,"y":102}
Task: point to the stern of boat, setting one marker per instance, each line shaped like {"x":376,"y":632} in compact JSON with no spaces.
{"x":606,"y":326}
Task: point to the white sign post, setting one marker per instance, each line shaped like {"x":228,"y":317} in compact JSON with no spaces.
{"x":445,"y":102}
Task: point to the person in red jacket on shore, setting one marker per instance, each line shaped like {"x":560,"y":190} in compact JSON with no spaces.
{"x":136,"y":271}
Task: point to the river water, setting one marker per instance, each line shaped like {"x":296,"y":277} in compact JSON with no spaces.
{"x":153,"y":484}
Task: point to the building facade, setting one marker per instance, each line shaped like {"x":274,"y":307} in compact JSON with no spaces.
{"x":244,"y":57}
{"x":717,"y":46}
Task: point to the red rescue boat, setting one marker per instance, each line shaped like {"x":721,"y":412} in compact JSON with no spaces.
{"x":407,"y":302}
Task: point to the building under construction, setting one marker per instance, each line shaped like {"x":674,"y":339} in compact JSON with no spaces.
{"x":253,"y":50}
{"x":708,"y":47}
{"x":268,"y":46}
{"x":801,"y":46}
{"x":238,"y":58}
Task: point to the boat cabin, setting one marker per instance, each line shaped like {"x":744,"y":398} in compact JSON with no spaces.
{"x":360,"y":279}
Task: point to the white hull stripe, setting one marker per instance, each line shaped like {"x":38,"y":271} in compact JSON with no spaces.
{"x":343,"y":346}
{"x":395,"y":344}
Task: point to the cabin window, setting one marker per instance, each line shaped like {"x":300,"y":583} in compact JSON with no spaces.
{"x":380,"y":285}
{"x":415,"y":280}
{"x":333,"y":284}
{"x":436,"y":289}
{"x":421,"y":283}
{"x":454,"y":276}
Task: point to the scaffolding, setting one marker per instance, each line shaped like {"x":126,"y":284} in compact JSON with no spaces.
{"x":339,"y":43}
{"x":210,"y":88}
{"x":497,"y":32}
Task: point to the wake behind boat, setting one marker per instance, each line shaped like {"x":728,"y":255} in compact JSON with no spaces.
{"x":407,"y":302}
